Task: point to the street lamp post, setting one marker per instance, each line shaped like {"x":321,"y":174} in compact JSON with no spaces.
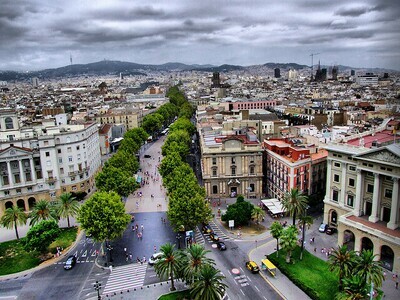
{"x":97,"y":287}
{"x":109,"y":248}
{"x":178,"y":237}
{"x":303,"y":232}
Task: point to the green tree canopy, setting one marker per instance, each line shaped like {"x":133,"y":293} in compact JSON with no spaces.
{"x":169,"y":264}
{"x":103,"y":216}
{"x":288,"y":241}
{"x":42,"y":210}
{"x":40,"y":236}
{"x":152,"y":123}
{"x":257,"y":214}
{"x":209,"y":285}
{"x":354,"y":288}
{"x":276,"y":232}
{"x":186,"y":110}
{"x":183,"y":176}
{"x":170,"y":163}
{"x":175,"y":96}
{"x":183,"y":124}
{"x":139,"y":135}
{"x":169,"y":111}
{"x":295,"y":203}
{"x":177,"y":141}
{"x":368,"y":268}
{"x":187,"y":207}
{"x":240,"y":212}
{"x":129,"y":145}
{"x":115,"y":179}
{"x":342,"y":261}
{"x":13,"y":217}
{"x":124,"y":161}
{"x":67,"y":206}
{"x":194,"y":259}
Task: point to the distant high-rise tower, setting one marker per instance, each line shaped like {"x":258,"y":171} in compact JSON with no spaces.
{"x":35,"y":82}
{"x":335,"y":71}
{"x":292,"y":75}
{"x":352,"y":72}
{"x":277,"y":72}
{"x":70,"y":59}
{"x":216,"y":80}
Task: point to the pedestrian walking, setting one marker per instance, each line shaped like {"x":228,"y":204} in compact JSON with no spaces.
{"x":155,"y":248}
{"x":142,"y":227}
{"x":130,"y":256}
{"x":125,"y":250}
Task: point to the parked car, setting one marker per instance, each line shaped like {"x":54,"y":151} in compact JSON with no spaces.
{"x":252,"y":266}
{"x":70,"y":263}
{"x":330,"y":230}
{"x":214,"y":237}
{"x":323,"y":227}
{"x":147,"y":156}
{"x":221,"y":246}
{"x":155,"y":258}
{"x":206,"y":228}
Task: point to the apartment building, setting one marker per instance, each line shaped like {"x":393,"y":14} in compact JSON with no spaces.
{"x":231,"y":163}
{"x":362,"y":199}
{"x":45,"y":160}
{"x":129,"y":118}
{"x":288,"y":166}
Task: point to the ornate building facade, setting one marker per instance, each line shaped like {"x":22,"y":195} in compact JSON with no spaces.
{"x":362,"y":199}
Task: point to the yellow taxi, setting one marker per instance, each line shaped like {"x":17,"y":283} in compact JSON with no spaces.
{"x":252,"y":266}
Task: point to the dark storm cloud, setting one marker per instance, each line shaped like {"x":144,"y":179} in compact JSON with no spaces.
{"x":207,"y":31}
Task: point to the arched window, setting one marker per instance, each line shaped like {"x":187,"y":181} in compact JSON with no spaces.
{"x":9,"y":123}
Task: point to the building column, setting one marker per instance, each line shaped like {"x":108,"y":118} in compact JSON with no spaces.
{"x":10,"y":178}
{"x":375,"y":200}
{"x":394,"y":207}
{"x":21,"y":171}
{"x":33,"y":171}
{"x":328,"y":180}
{"x":359,"y":193}
{"x":343,"y":183}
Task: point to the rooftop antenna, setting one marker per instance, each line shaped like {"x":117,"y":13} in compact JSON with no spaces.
{"x":70,"y":58}
{"x":312,"y":64}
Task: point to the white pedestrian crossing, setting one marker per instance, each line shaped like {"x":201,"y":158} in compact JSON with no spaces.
{"x":125,"y":278}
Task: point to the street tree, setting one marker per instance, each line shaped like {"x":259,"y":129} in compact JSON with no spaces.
{"x":129,"y":145}
{"x":42,"y":210}
{"x":209,"y":285}
{"x":174,"y":146}
{"x":186,"y":110}
{"x":183,"y":176}
{"x":368,"y":268}
{"x":170,"y":163}
{"x":240,"y":212}
{"x":139,"y":135}
{"x":175,"y":96}
{"x":103,"y":216}
{"x":115,"y":179}
{"x":169,"y":111}
{"x":257,"y":214}
{"x":295,"y":203}
{"x":67,"y":206}
{"x":354,"y":288}
{"x":276,"y":232}
{"x":194,"y":259}
{"x":124,"y":161}
{"x":13,"y":217}
{"x":41,"y":235}
{"x":288,"y":241}
{"x":342,"y":261}
{"x":187,"y":206}
{"x":169,"y":264}
{"x":183,"y":124}
{"x":152,"y":123}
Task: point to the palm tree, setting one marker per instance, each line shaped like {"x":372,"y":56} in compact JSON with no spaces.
{"x":257,"y":214}
{"x":67,"y":206}
{"x":194,"y":260}
{"x":169,"y":264}
{"x":42,"y":211}
{"x":276,"y":232}
{"x":354,"y":288}
{"x":304,"y":220}
{"x":289,"y":241}
{"x":295,"y":203}
{"x":369,"y":269}
{"x":13,"y":216}
{"x":209,"y":285}
{"x":342,"y":261}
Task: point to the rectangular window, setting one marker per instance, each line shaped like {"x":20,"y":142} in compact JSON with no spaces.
{"x":70,"y":158}
{"x":388,"y":193}
{"x":47,"y":154}
{"x":351,"y":182}
{"x":215,"y":189}
{"x":251,"y":170}
{"x":352,"y":168}
{"x":61,"y":170}
{"x":48,"y":163}
{"x":60,"y":160}
{"x":350,"y":200}
{"x":233,"y":160}
{"x":46,"y":143}
{"x":252,"y":187}
{"x":77,"y":147}
{"x":336,"y":178}
{"x":370,"y":188}
{"x":214,"y":160}
{"x":59,"y":151}
{"x":336,"y":164}
{"x":233,"y":171}
{"x":69,"y":149}
{"x":214,"y":172}
{"x":335,"y":196}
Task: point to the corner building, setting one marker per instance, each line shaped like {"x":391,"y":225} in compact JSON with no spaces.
{"x":362,"y":199}
{"x":44,"y":161}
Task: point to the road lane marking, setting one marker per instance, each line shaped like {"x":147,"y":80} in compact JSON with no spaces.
{"x":257,"y":288}
{"x":242,"y":292}
{"x":84,"y":253}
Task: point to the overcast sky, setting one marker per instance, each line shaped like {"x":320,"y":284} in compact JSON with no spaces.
{"x":36,"y":34}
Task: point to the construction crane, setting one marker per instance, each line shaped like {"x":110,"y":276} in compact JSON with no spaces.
{"x":312,"y":64}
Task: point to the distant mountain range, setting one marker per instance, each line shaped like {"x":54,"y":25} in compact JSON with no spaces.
{"x":109,"y":67}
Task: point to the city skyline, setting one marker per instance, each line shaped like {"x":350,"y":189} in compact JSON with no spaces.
{"x":42,"y":34}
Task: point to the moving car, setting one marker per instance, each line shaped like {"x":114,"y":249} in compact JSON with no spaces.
{"x":330,"y":230}
{"x":252,"y":266}
{"x":323,"y":227}
{"x":155,"y":258}
{"x":70,"y":263}
{"x":221,"y":246}
{"x":214,"y":237}
{"x":206,"y":228}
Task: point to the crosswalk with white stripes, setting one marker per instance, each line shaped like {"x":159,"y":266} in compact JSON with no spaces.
{"x":125,"y":278}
